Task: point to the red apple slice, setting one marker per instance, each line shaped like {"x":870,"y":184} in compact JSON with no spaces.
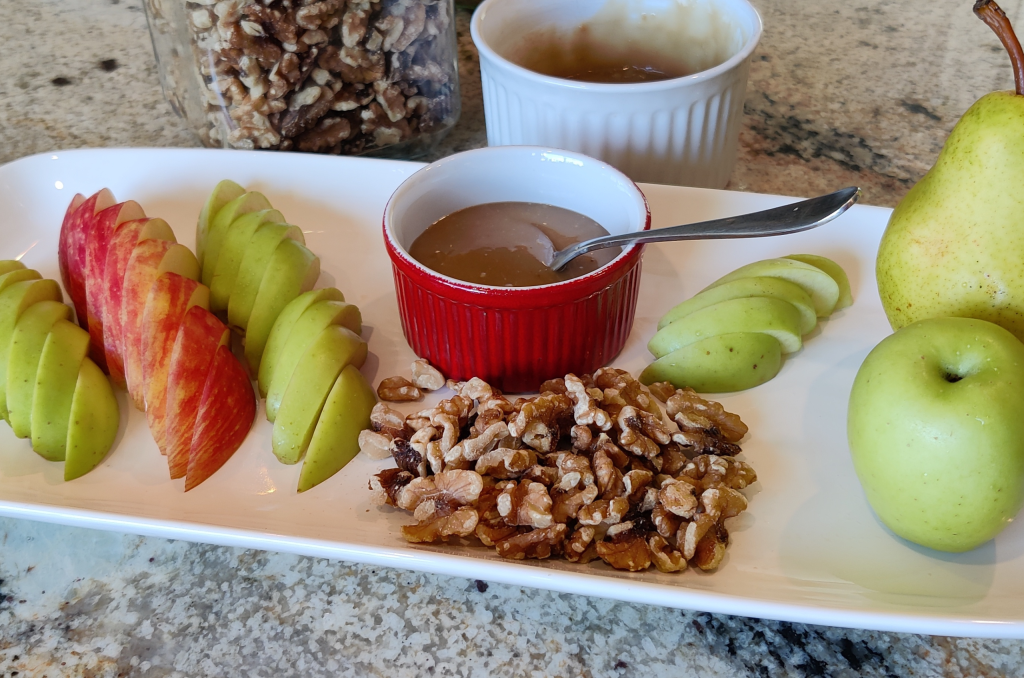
{"x":122,"y":243}
{"x":170,"y":296}
{"x":71,"y":249}
{"x":97,"y":243}
{"x":199,"y":337}
{"x":226,"y":412}
{"x":149,"y":259}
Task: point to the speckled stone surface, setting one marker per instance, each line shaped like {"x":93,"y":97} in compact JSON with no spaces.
{"x":840,"y":92}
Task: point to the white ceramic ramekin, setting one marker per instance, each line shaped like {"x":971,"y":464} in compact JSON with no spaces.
{"x":679,"y":131}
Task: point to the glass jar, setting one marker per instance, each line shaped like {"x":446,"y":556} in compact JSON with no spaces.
{"x":349,"y":77}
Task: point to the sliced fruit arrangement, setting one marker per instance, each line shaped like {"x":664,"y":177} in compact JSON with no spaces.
{"x":51,"y":391}
{"x":302,"y":345}
{"x":137,"y":294}
{"x":732,"y":335}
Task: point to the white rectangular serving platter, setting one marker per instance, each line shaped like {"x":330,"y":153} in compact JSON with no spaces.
{"x":807,"y":550}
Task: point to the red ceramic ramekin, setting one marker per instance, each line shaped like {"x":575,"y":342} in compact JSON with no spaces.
{"x":514,"y":338}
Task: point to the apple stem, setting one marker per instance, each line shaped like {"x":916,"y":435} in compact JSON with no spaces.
{"x":989,"y":12}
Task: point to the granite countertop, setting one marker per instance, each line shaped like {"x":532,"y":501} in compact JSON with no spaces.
{"x":841,"y":92}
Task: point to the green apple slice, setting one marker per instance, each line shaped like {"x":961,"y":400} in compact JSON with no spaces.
{"x":293,"y":269}
{"x":307,"y":328}
{"x":823,"y":289}
{"x":282,"y":330}
{"x":8,"y":265}
{"x":766,"y":315}
{"x":336,"y":437}
{"x":232,"y":251}
{"x":15,"y":300}
{"x":758,"y":286}
{"x":93,"y":422}
{"x":721,"y":364}
{"x":23,"y":360}
{"x":222,"y":194}
{"x":56,"y":380}
{"x":834,"y":270}
{"x":16,"y":276}
{"x":314,"y":376}
{"x":257,"y":255}
{"x":218,"y":230}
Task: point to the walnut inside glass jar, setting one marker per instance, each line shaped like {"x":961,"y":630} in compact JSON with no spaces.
{"x":501,"y":243}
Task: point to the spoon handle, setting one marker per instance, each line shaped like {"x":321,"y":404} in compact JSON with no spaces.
{"x":791,"y":218}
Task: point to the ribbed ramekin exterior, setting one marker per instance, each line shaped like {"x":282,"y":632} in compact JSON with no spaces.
{"x":682,"y":135}
{"x":516,"y":349}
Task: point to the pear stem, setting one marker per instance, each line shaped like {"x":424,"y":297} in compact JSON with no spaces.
{"x":993,"y":16}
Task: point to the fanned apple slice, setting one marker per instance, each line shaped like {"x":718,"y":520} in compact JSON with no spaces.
{"x":170,"y":297}
{"x":766,"y":315}
{"x":18,"y":275}
{"x":222,"y":194}
{"x":226,"y":413}
{"x":8,"y":265}
{"x":310,"y":385}
{"x":97,"y":243}
{"x":757,"y":286}
{"x":719,"y":364}
{"x":232,"y":251}
{"x":30,"y":334}
{"x":63,"y":352}
{"x":243,"y":204}
{"x":14,"y":300}
{"x":119,"y":252}
{"x":149,"y":260}
{"x":71,"y":250}
{"x":258,"y":253}
{"x":823,"y":289}
{"x":305,"y":331}
{"x":282,"y":330}
{"x":834,"y":270}
{"x":293,"y":269}
{"x":93,"y":423}
{"x":336,"y":437}
{"x":199,"y":337}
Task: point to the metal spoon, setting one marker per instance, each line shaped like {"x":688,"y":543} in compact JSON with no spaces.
{"x":791,"y":218}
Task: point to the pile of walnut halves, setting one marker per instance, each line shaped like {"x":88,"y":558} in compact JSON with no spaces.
{"x":588,"y":469}
{"x":329,"y":76}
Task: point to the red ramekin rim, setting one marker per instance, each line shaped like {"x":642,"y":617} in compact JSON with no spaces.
{"x":538,"y":296}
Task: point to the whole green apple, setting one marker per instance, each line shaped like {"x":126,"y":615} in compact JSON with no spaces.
{"x":936,"y":431}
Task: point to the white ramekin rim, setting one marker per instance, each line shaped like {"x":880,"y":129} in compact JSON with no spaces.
{"x":733,"y":62}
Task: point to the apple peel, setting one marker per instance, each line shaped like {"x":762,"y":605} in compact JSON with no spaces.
{"x":195,"y":347}
{"x":226,"y":412}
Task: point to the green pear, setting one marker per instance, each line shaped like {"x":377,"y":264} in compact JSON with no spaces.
{"x":258,"y":252}
{"x":834,"y":270}
{"x":336,"y":436}
{"x":311,"y":383}
{"x":232,"y":250}
{"x":824,"y":291}
{"x":766,"y":315}
{"x":758,"y":286}
{"x":293,"y":269}
{"x":8,"y":265}
{"x":14,"y":300}
{"x":307,"y":328}
{"x":720,"y":364}
{"x":953,"y":246}
{"x":93,"y":422}
{"x":218,"y":230}
{"x":282,"y":330}
{"x":222,"y":194}
{"x":56,"y":380}
{"x":23,"y":360}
